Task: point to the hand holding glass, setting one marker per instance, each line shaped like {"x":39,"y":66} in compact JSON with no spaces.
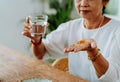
{"x":38,"y":23}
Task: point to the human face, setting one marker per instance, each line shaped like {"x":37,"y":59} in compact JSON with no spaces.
{"x":89,"y":8}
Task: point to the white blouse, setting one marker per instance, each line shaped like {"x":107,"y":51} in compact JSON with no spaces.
{"x":107,"y":38}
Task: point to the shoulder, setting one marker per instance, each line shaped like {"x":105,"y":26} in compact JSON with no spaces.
{"x":70,"y":24}
{"x":116,"y":25}
{"x":115,"y":22}
{"x":64,"y":28}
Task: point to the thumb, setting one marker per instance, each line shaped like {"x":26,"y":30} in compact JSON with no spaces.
{"x":27,"y":34}
{"x":93,"y":45}
{"x":27,"y":20}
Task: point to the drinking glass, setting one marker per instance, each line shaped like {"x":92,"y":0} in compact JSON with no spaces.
{"x":38,"y":22}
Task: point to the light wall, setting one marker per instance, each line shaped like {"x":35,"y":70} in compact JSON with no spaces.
{"x":113,"y":8}
{"x":12,"y":16}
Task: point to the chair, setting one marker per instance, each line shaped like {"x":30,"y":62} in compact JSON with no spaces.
{"x":61,"y":64}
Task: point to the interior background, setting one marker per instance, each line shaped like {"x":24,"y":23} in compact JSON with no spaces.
{"x":14,"y":12}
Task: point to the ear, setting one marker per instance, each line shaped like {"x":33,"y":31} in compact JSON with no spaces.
{"x":105,"y":3}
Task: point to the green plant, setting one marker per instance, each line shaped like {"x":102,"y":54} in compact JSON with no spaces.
{"x":63,"y":12}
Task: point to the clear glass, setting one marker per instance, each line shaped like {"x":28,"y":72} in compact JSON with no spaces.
{"x":38,"y":22}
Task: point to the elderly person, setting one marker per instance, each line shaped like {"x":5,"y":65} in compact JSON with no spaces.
{"x":91,"y":42}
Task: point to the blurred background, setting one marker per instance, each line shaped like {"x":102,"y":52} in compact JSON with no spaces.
{"x":14,"y":12}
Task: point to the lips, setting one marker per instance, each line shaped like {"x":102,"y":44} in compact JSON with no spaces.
{"x":84,"y":11}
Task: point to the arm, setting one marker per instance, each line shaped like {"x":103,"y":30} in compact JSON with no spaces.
{"x":38,"y":47}
{"x":99,"y":62}
{"x":38,"y":50}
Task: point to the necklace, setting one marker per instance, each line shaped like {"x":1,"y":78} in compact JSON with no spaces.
{"x":101,"y":22}
{"x":85,"y":33}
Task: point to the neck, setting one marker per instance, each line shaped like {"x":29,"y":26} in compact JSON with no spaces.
{"x":94,"y":22}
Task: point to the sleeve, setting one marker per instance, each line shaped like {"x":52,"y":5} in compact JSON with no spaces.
{"x":113,"y":72}
{"x":56,"y":41}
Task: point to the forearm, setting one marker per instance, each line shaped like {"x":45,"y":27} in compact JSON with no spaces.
{"x":38,"y":50}
{"x":100,"y":63}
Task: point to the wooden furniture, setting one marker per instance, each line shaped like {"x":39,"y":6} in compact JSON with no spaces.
{"x":17,"y":67}
{"x":61,"y":64}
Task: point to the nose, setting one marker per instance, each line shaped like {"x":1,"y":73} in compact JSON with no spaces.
{"x":84,"y":3}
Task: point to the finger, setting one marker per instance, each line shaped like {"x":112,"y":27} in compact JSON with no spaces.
{"x":70,"y":48}
{"x":27,"y":19}
{"x":27,"y":34}
{"x":47,"y":24}
{"x":79,"y":48}
{"x":93,"y":45}
{"x":26,"y":25}
{"x":26,"y":29}
{"x":66,"y":50}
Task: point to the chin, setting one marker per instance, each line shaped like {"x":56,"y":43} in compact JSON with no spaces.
{"x":84,"y":15}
